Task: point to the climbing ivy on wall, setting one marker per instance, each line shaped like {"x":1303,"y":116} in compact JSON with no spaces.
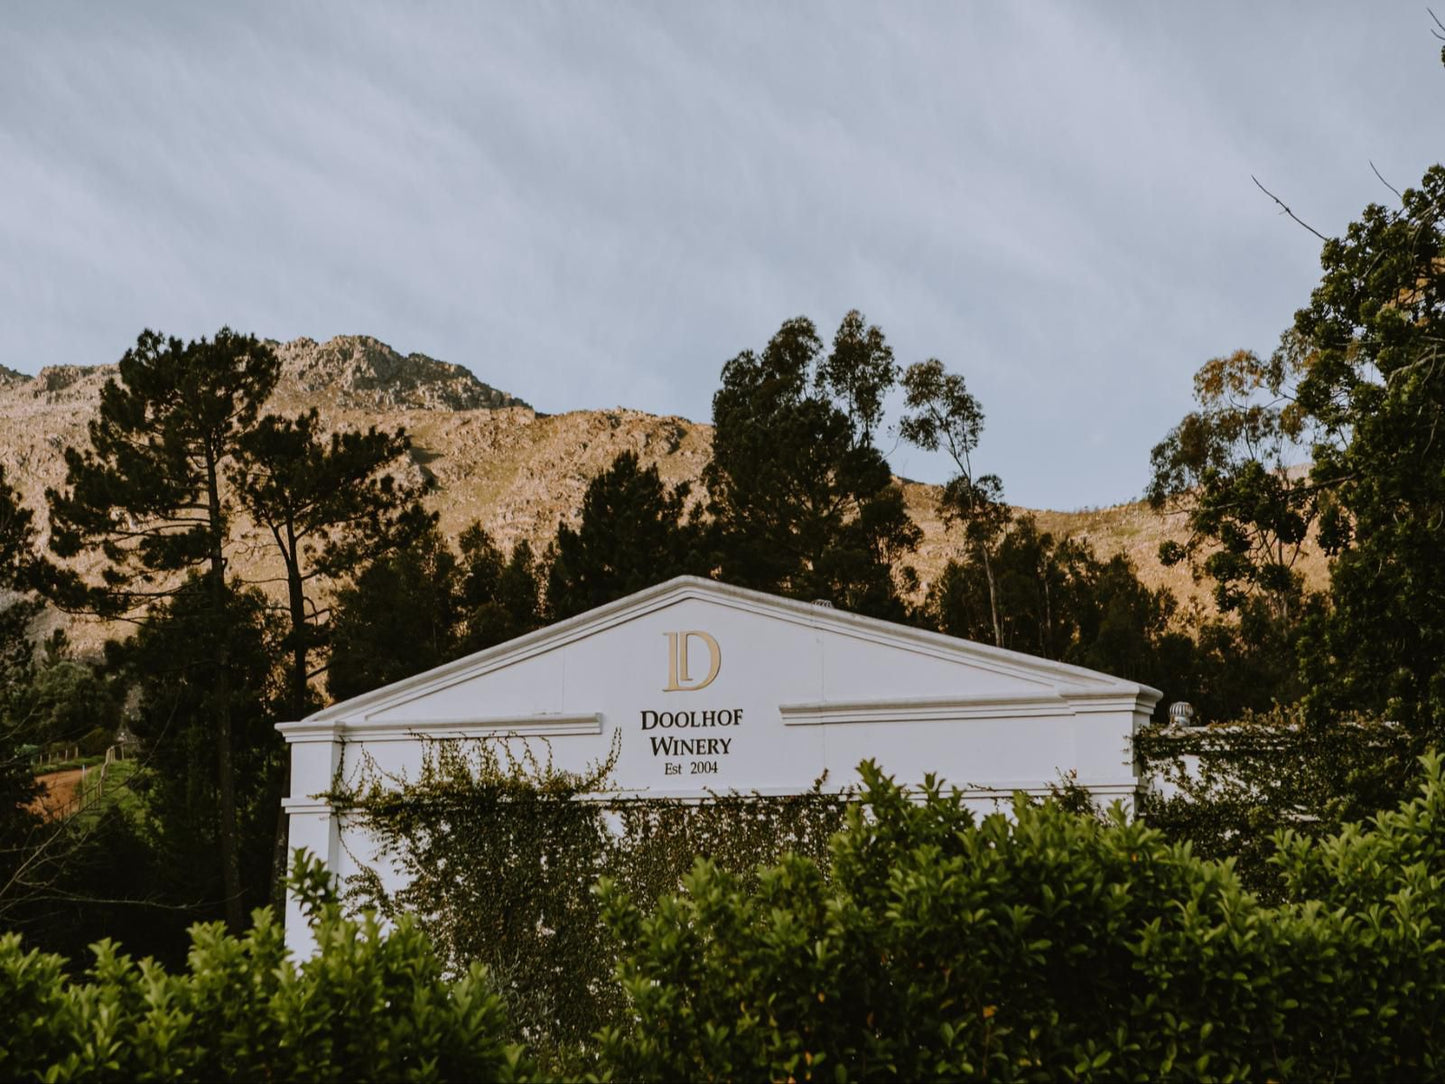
{"x":1228,"y":789}
{"x":498,"y":851}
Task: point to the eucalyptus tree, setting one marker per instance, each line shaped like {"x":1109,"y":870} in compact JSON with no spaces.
{"x":1375,"y":390}
{"x":944,"y":415}
{"x":1232,"y":468}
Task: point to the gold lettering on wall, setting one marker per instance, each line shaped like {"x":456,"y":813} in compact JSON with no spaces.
{"x":678,"y":678}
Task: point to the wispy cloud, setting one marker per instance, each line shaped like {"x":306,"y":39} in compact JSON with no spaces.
{"x":599,"y":204}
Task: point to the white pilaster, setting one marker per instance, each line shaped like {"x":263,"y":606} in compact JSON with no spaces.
{"x":315,"y":749}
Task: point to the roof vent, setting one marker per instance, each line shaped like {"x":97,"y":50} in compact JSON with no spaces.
{"x":1181,"y":713}
{"x":827,"y":605}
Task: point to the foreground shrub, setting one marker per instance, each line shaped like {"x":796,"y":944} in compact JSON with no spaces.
{"x":372,"y":1004}
{"x":1049,"y":946}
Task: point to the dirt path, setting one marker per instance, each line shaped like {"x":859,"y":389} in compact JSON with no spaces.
{"x":61,"y":789}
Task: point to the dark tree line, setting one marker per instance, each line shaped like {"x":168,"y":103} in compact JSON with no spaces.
{"x":425,"y":605}
{"x":801,"y":503}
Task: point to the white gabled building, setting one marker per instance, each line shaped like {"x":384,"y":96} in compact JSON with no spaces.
{"x":711,"y":688}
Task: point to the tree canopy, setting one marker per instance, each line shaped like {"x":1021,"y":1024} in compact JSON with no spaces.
{"x":803,"y":502}
{"x":420,"y":606}
{"x":633,"y":532}
{"x":1233,"y":468}
{"x":1375,"y":385}
{"x":329,"y":504}
{"x":944,"y":415}
{"x":149,"y":492}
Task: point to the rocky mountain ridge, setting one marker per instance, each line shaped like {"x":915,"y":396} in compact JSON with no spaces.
{"x":492,"y":458}
{"x":357,"y":372}
{"x":349,"y":372}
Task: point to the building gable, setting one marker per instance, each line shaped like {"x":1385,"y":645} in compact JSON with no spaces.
{"x":706,"y":687}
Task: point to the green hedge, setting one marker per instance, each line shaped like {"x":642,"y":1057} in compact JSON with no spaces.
{"x":371,"y":1005}
{"x":1047,"y":946}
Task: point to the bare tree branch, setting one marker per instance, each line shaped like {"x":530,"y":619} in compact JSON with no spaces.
{"x":1286,"y":209}
{"x":1387,"y":184}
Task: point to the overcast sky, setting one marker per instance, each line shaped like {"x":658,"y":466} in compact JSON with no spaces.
{"x":597,"y":204}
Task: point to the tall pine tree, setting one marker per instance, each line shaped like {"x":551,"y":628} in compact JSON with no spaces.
{"x":150,"y":496}
{"x":330,"y":505}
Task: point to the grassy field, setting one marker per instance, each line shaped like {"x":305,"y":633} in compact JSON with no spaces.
{"x":90,"y":791}
{"x":112,"y":788}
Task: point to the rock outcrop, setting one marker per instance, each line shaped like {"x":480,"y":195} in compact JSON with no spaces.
{"x":357,"y":372}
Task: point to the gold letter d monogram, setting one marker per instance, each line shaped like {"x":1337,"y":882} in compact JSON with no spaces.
{"x":678,"y":680}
